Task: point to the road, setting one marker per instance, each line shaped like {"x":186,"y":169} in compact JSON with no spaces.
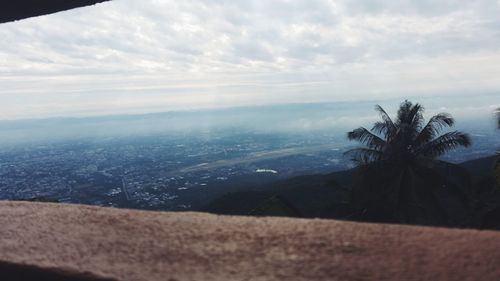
{"x":256,"y":157}
{"x":125,"y":190}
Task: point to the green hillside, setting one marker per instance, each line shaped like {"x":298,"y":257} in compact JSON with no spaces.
{"x":328,"y":196}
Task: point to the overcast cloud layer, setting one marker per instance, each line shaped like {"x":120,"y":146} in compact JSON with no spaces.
{"x":130,"y":56}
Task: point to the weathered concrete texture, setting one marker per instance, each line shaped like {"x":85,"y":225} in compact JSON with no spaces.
{"x":139,"y":245}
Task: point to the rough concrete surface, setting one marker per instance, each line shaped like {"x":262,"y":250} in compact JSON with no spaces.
{"x":74,"y":242}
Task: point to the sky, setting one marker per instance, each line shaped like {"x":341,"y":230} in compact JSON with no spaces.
{"x":139,"y":56}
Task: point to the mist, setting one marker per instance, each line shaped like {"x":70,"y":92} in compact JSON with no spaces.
{"x":313,"y":118}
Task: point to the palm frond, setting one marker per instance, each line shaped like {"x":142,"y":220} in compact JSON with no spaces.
{"x":444,"y":143}
{"x":415,"y":117}
{"x":386,"y":127}
{"x":367,"y":138}
{"x":361,"y":155}
{"x":409,"y":120}
{"x":408,"y":112}
{"x":433,"y":127}
{"x":383,"y":128}
{"x":403,"y":112}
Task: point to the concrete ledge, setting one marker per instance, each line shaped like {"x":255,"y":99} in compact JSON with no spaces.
{"x":91,"y":243}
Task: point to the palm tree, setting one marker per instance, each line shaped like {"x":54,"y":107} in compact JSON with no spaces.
{"x":398,"y":162}
{"x":498,"y":118}
{"x":497,"y":168}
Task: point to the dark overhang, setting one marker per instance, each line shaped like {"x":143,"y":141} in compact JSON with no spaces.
{"x":11,"y":10}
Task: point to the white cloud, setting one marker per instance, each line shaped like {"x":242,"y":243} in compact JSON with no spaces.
{"x":139,"y":56}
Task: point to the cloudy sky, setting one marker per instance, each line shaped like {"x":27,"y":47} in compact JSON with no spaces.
{"x":132,"y":56}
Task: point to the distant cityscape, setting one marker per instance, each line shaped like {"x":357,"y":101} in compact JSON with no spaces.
{"x":155,"y":171}
{"x":173,"y":172}
{"x":183,"y":160}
